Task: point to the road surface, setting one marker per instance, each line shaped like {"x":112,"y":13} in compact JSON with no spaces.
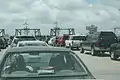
{"x":101,"y":67}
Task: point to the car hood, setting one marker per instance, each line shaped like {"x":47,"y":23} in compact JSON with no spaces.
{"x":59,"y":78}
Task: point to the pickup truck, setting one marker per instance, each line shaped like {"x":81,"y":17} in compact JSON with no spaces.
{"x":75,"y":41}
{"x":99,"y":42}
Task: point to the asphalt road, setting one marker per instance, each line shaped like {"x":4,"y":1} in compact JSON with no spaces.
{"x":102,"y":67}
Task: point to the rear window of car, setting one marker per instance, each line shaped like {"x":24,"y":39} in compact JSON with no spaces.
{"x":66,"y":37}
{"x":109,"y":34}
{"x":32,"y":44}
{"x":24,"y":38}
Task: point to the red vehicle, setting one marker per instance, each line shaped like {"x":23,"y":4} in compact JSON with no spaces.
{"x":60,"y":41}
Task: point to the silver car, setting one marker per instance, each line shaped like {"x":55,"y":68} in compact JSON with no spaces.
{"x":43,"y":63}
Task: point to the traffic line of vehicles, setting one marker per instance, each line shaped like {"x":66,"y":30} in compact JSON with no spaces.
{"x":97,"y":43}
{"x":28,"y":58}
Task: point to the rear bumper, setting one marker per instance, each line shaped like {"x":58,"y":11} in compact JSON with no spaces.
{"x":102,"y":49}
{"x":75,"y":45}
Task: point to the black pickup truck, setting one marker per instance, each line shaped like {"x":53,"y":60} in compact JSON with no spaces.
{"x":99,"y":42}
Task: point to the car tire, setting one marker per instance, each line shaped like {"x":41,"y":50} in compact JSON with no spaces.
{"x":66,"y":46}
{"x":82,"y":50}
{"x":78,"y":48}
{"x":93,"y":52}
{"x":113,"y":56}
{"x":71,"y":47}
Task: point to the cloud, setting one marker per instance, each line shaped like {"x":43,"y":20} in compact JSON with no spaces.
{"x":69,"y":13}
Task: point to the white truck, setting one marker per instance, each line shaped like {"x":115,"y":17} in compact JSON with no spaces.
{"x":75,"y":41}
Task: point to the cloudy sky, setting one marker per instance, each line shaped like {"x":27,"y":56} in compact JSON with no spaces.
{"x":69,"y":13}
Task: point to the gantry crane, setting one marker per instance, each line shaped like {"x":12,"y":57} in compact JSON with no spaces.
{"x":56,"y":30}
{"x":26,"y":31}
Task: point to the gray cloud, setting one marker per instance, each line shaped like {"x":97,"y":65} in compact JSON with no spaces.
{"x":70,"y":13}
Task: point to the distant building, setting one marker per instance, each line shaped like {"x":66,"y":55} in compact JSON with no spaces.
{"x":91,"y":29}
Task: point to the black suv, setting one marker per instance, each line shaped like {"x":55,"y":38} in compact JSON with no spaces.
{"x":99,"y":42}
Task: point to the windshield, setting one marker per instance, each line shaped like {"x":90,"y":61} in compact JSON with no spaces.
{"x":42,"y":63}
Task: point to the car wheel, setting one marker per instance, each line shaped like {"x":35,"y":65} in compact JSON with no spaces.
{"x":70,"y":47}
{"x":93,"y":52}
{"x":82,"y":50}
{"x":78,"y":48}
{"x":66,"y":46}
{"x":113,"y":56}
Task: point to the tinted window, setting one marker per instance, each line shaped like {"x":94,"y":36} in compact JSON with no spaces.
{"x":25,"y":38}
{"x":107,"y":34}
{"x":66,"y":37}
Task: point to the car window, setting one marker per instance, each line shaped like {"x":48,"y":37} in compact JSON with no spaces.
{"x":33,"y":62}
{"x":35,"y":44}
{"x":107,"y":34}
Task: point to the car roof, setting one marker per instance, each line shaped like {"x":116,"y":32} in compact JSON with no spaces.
{"x":36,"y":48}
{"x":32,"y":41}
{"x":77,"y":35}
